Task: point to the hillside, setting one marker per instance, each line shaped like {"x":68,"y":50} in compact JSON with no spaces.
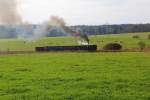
{"x":126,"y":40}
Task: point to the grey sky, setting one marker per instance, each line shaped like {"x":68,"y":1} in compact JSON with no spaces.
{"x":86,"y":11}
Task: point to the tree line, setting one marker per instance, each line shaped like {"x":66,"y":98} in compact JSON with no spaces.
{"x":112,"y":29}
{"x":12,"y":32}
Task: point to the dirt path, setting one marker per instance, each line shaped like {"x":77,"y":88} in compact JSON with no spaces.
{"x":15,"y":52}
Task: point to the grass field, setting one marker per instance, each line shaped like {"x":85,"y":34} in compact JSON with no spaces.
{"x":126,"y":40}
{"x":75,"y":76}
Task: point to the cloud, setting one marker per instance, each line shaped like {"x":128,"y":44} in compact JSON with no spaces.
{"x":87,"y":11}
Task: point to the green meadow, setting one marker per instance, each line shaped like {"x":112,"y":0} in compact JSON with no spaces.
{"x":126,"y":40}
{"x":75,"y":75}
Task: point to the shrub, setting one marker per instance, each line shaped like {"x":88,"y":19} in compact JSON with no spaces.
{"x":141,"y":45}
{"x":149,"y":36}
{"x":112,"y":46}
{"x":136,"y":37}
{"x":121,"y":41}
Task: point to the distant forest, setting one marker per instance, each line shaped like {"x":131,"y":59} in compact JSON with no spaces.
{"x":12,"y":32}
{"x":113,"y":29}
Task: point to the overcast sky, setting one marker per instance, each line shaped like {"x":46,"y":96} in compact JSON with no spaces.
{"x":91,"y":12}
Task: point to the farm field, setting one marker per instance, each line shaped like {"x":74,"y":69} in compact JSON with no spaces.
{"x":126,"y":40}
{"x":75,"y":76}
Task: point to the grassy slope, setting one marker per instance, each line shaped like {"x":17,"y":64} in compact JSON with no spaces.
{"x":75,"y":76}
{"x":126,"y":39}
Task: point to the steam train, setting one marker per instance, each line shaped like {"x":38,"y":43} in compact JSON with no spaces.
{"x":67,"y":48}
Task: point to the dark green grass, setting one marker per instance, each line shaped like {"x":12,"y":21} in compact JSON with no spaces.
{"x":126,"y":40}
{"x":75,"y":76}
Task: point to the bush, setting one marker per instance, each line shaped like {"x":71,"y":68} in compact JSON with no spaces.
{"x":112,"y":46}
{"x":141,"y":45}
{"x":149,"y":36}
{"x":121,"y":42}
{"x":136,"y":37}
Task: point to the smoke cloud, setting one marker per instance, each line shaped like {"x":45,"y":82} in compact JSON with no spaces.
{"x":8,"y":12}
{"x":47,"y":26}
{"x":10,"y":16}
{"x":42,"y":30}
{"x":58,"y":22}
